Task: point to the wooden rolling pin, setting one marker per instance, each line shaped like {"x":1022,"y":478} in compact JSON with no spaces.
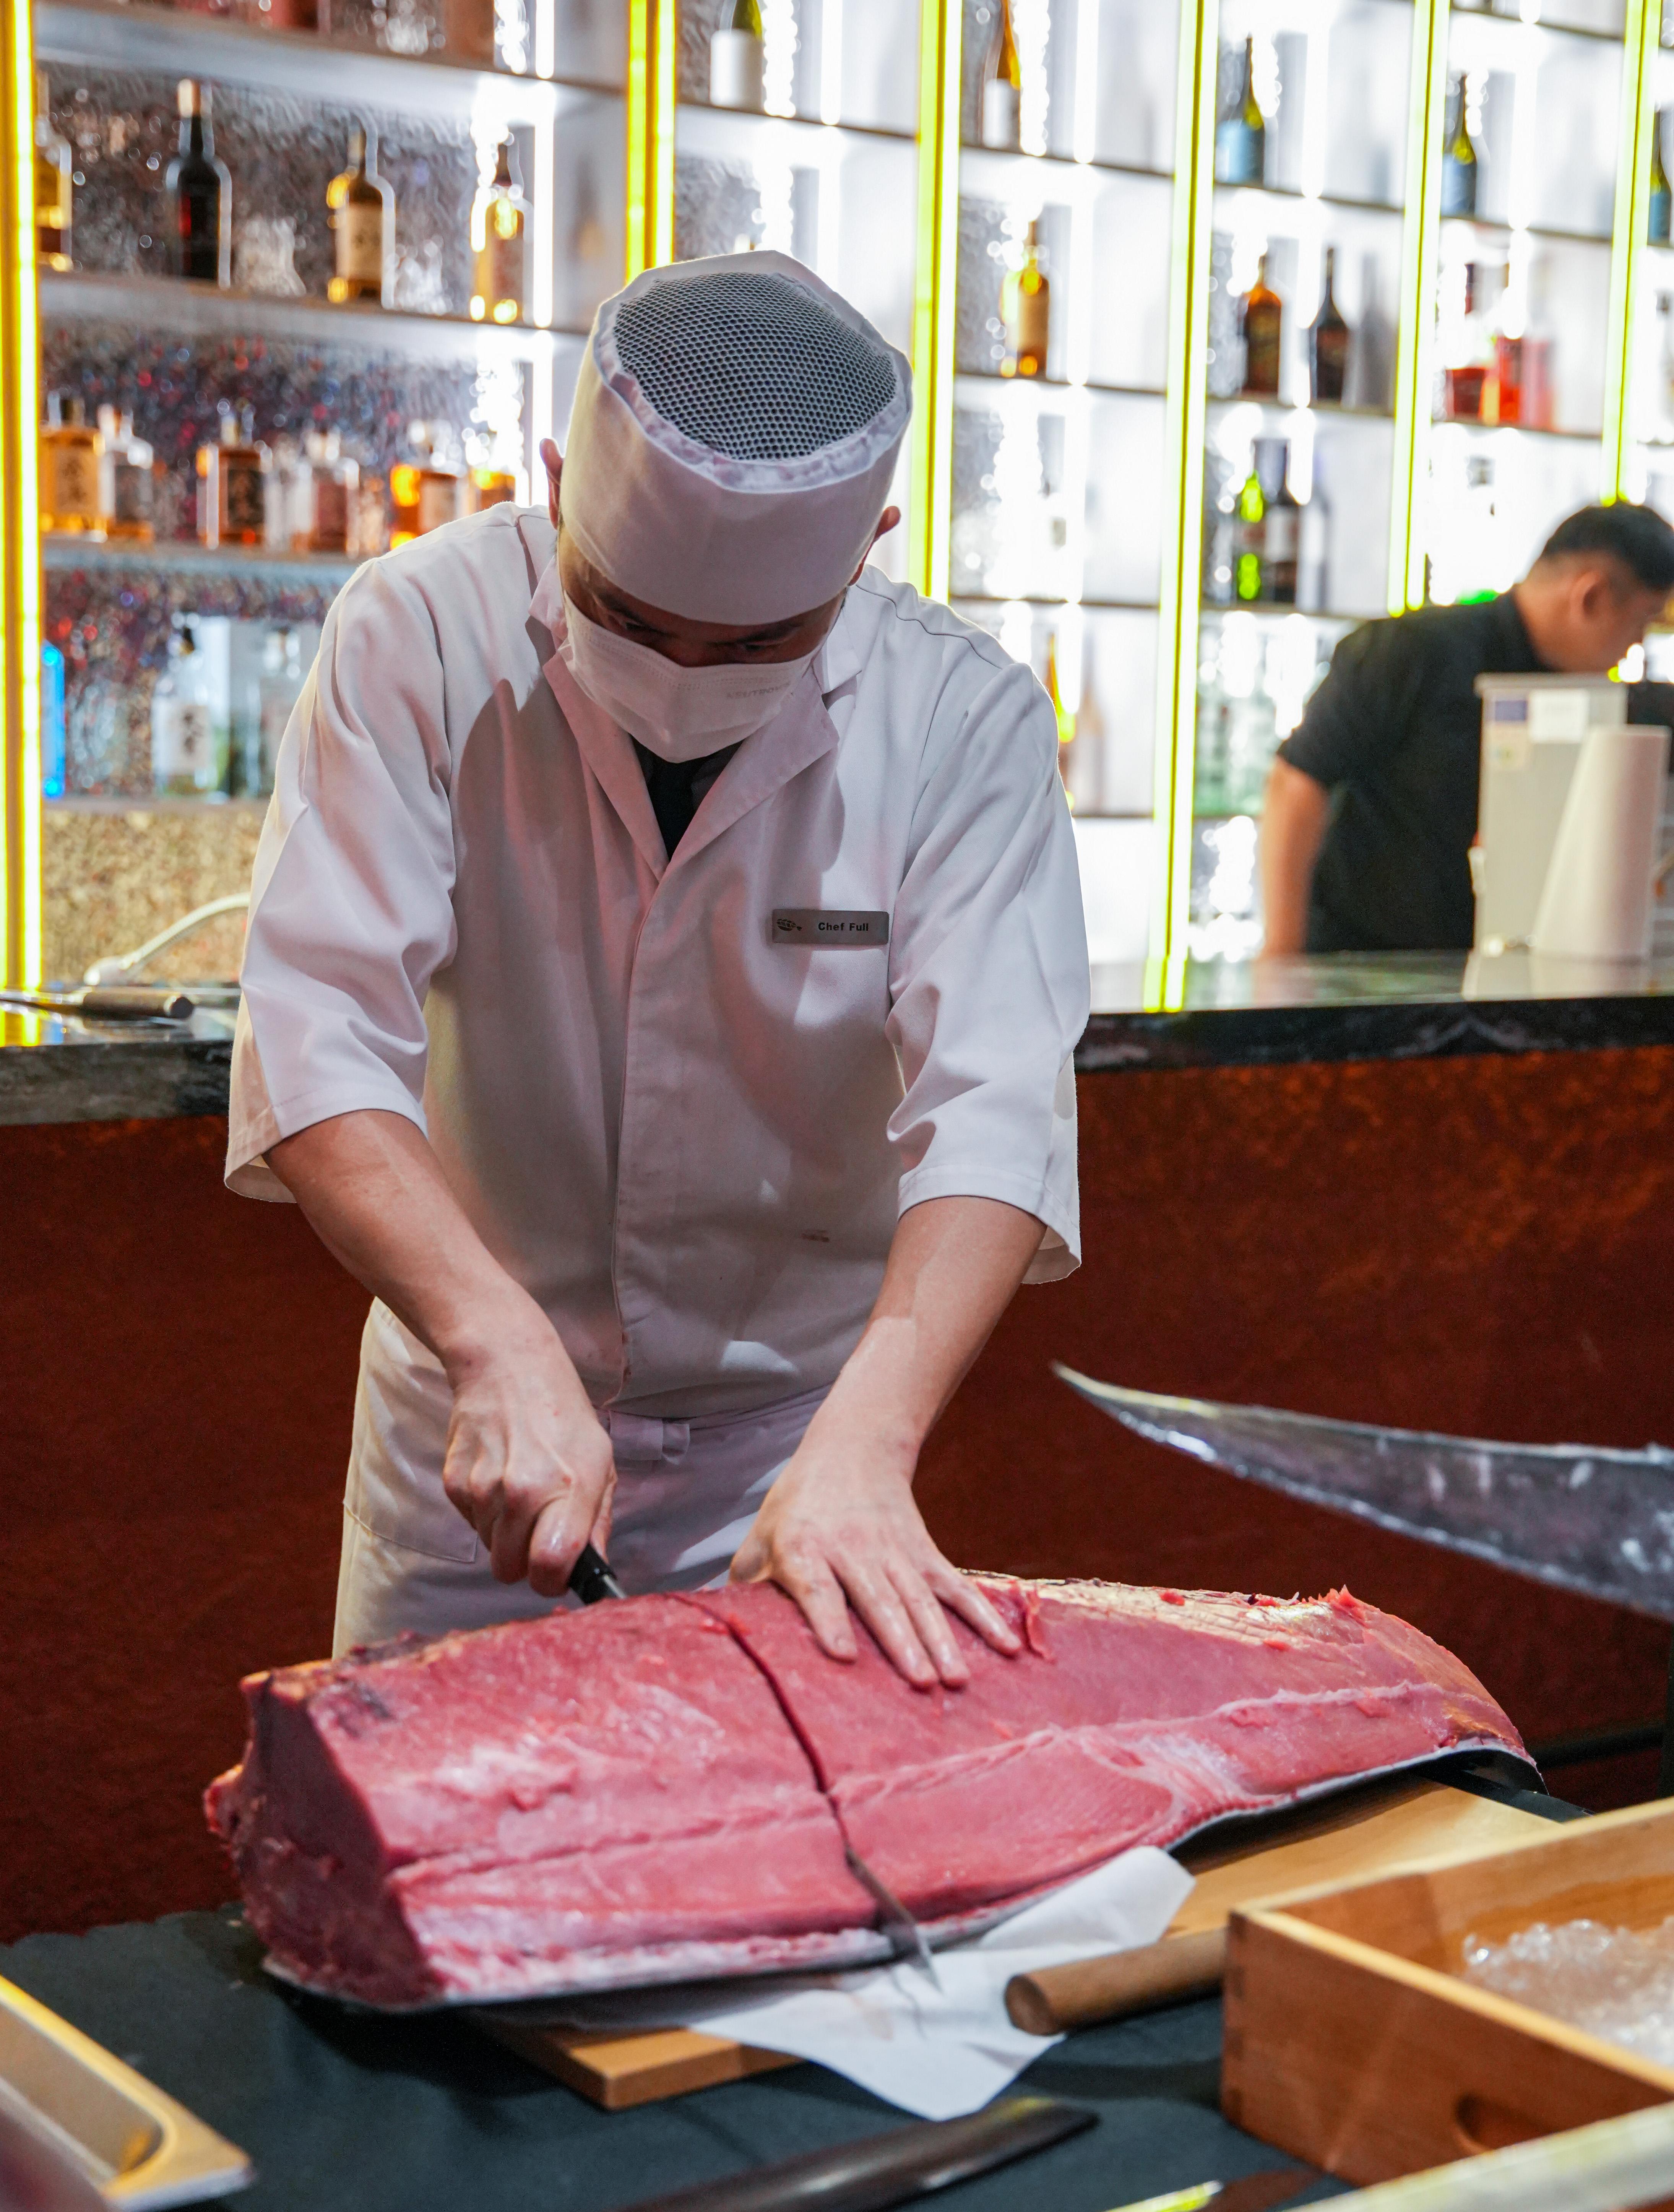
{"x":1056,"y":1998}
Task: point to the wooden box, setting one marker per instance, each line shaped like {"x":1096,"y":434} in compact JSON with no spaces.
{"x":1353,"y":2041}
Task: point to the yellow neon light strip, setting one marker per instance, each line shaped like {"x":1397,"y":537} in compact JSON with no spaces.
{"x":1628,"y":234}
{"x":935,"y":277}
{"x":1421,"y":256}
{"x":637,"y":136}
{"x":19,"y":517}
{"x":664,"y":49}
{"x":1183,"y":526}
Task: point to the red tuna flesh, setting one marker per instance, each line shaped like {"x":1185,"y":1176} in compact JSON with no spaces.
{"x":662,"y":1790}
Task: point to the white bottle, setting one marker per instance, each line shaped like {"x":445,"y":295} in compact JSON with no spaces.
{"x":738,"y":59}
{"x":182,"y":747}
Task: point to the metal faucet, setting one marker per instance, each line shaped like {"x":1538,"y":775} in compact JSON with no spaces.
{"x":121,"y":967}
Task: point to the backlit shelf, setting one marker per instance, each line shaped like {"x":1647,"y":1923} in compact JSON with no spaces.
{"x":1478,"y":429}
{"x":151,"y":302}
{"x":172,"y":42}
{"x":64,"y":552}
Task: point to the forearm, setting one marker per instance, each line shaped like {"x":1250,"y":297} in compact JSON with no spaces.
{"x":954,"y":1266}
{"x":1294,"y":813}
{"x":374,"y":1193}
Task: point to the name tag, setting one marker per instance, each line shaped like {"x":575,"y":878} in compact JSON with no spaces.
{"x":840,"y":929}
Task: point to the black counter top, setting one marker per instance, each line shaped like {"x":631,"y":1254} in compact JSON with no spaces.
{"x":1213,"y":1014}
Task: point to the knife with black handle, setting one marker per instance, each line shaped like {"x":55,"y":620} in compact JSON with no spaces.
{"x":591,"y":1577}
{"x":894,"y":2169}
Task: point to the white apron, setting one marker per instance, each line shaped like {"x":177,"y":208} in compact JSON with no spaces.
{"x":687,"y":1492}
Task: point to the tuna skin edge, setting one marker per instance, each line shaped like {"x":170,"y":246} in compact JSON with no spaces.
{"x":661,"y":1789}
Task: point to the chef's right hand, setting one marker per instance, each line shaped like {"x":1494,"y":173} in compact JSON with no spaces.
{"x":528,"y":1463}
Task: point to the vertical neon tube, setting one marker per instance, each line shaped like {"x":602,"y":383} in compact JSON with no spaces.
{"x":665,"y":46}
{"x":636,"y":134}
{"x":935,"y":276}
{"x":1629,"y":232}
{"x":1421,"y":235}
{"x":1183,"y":468}
{"x":20,"y":519}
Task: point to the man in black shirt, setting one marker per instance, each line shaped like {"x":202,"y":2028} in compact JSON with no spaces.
{"x":1371,"y":808}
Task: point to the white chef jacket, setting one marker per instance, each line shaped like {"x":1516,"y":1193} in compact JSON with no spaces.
{"x":689,"y":1141}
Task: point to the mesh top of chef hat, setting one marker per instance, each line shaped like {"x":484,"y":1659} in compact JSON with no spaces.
{"x":753,"y":366}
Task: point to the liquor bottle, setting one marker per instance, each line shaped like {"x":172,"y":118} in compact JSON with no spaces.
{"x":1470,"y":354}
{"x":737,"y":56}
{"x":201,"y":194}
{"x":1002,"y":116}
{"x":54,"y":183}
{"x":487,"y":488}
{"x":1261,"y":327}
{"x":1281,"y":546}
{"x":321,"y":495}
{"x":233,"y":485}
{"x":281,"y":686}
{"x":1249,"y":536}
{"x":69,"y":456}
{"x":423,"y":495}
{"x":361,"y":214}
{"x":1026,"y":302}
{"x":182,"y":747}
{"x":1241,"y":135}
{"x":1371,"y":353}
{"x":1328,"y":344}
{"x":1459,"y":162}
{"x":467,"y":32}
{"x":1662,"y":203}
{"x":498,"y":224}
{"x":124,"y":478}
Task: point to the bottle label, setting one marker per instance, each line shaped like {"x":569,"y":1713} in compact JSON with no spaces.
{"x":130,"y":498}
{"x":330,"y":533}
{"x":1001,"y":116}
{"x":1261,"y":355}
{"x":1281,"y":534}
{"x":182,"y":743}
{"x":243,"y":500}
{"x":500,"y":273}
{"x":74,"y":486}
{"x":438,"y":502}
{"x":360,"y":242}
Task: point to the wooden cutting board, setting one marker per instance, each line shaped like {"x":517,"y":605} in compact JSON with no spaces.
{"x":1365,"y":1832}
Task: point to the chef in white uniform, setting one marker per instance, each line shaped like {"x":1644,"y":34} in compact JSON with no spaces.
{"x":664,"y":961}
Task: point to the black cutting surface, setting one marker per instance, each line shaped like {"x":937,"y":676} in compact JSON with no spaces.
{"x":348,"y":2112}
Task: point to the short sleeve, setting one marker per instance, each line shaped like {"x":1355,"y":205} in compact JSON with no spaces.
{"x":989,"y":974}
{"x":351,"y":910}
{"x":1362,"y":709}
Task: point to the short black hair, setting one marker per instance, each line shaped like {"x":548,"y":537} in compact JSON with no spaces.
{"x":1637,"y":536}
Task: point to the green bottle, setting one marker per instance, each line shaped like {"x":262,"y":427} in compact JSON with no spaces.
{"x":1459,"y":166}
{"x":1249,"y":538}
{"x":747,"y":16}
{"x":1662,"y":201}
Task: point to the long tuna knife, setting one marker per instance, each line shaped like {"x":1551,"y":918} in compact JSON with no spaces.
{"x":1585,"y":1518}
{"x":591,"y":1580}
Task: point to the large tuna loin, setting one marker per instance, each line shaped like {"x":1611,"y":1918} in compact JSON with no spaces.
{"x":663,"y":1789}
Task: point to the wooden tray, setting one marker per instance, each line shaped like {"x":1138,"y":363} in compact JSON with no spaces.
{"x":1353,"y":2041}
{"x":139,"y":2148}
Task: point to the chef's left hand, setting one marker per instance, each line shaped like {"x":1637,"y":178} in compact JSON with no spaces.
{"x":840,"y":1527}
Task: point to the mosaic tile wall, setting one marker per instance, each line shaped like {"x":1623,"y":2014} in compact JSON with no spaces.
{"x":113,"y":879}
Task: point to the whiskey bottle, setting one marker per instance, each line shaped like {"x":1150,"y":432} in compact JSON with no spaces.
{"x":233,"y":481}
{"x":467,"y":32}
{"x":70,"y":458}
{"x":1003,"y":87}
{"x":1459,"y":161}
{"x":423,"y":495}
{"x":124,"y":478}
{"x":324,"y":492}
{"x":183,"y":745}
{"x":1261,"y":327}
{"x":54,"y":183}
{"x":737,"y":56}
{"x":1328,"y":344}
{"x":1241,"y":135}
{"x":1026,"y":303}
{"x":200,"y":193}
{"x":360,"y":214}
{"x":490,"y":488}
{"x":499,"y":222}
{"x":1661,"y":203}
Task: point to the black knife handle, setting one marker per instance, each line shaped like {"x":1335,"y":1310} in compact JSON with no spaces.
{"x":591,"y":1579}
{"x":892,"y":2169}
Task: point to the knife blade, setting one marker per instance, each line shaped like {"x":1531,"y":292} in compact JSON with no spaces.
{"x":907,"y":1938}
{"x":890,"y":2169}
{"x":591,"y":1577}
{"x":1582,"y":1517}
{"x":1251,"y":2192}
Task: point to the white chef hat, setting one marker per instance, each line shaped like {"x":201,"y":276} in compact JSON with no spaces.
{"x":732,"y":441}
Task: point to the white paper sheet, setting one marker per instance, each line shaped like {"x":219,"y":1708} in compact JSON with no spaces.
{"x":935,"y":2052}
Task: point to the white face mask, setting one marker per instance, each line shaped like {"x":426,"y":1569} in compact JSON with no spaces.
{"x":678,"y":712}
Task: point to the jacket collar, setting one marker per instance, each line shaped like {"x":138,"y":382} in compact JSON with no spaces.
{"x":798,"y":735}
